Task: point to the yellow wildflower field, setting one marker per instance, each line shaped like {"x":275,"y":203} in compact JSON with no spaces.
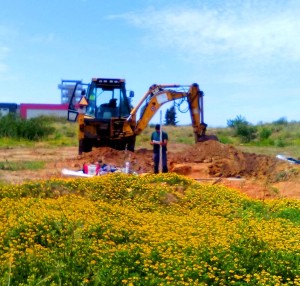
{"x":164,"y":229}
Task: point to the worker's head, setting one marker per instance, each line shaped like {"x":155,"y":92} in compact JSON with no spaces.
{"x":113,"y":102}
{"x":157,"y":127}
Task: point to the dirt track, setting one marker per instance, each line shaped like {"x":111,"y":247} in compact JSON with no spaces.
{"x":210,"y":162}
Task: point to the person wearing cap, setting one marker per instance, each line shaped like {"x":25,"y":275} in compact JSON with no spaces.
{"x":158,"y":143}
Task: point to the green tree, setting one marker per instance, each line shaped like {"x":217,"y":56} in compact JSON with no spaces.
{"x":170,"y":117}
{"x":281,"y":121}
{"x":242,"y":128}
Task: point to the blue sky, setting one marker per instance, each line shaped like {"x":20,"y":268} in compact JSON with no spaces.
{"x":245,"y":55}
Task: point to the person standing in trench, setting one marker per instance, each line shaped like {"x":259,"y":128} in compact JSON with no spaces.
{"x":158,"y":143}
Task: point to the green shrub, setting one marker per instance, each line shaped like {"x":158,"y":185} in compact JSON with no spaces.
{"x":242,"y":128}
{"x":265,"y":142}
{"x":265,"y":133}
{"x":280,"y":142}
{"x":12,"y":126}
{"x":246,"y":133}
{"x":225,"y":139}
{"x":239,"y":120}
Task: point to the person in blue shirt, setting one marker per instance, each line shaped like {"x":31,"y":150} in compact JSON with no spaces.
{"x":157,"y":144}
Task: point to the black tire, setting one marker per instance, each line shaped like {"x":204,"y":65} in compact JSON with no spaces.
{"x":126,"y":144}
{"x":130,"y":143}
{"x":87,"y":145}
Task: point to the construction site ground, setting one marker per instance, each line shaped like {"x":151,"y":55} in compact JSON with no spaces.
{"x":210,"y":162}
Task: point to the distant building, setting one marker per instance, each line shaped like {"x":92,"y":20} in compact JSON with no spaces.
{"x":6,"y":108}
{"x":31,"y":110}
{"x":67,"y":88}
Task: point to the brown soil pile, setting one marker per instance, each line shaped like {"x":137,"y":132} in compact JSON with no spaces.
{"x":140,"y":160}
{"x":220,"y":160}
{"x":227,"y":161}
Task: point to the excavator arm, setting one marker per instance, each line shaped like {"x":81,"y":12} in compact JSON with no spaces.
{"x":157,"y":95}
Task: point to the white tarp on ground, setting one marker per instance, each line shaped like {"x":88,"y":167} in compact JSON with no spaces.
{"x":80,"y":173}
{"x":288,"y":159}
{"x":91,"y":170}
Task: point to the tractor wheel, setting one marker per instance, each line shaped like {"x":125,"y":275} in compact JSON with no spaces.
{"x":130,"y":142}
{"x":87,"y":145}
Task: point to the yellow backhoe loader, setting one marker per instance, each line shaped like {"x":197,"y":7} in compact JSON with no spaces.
{"x":106,"y":117}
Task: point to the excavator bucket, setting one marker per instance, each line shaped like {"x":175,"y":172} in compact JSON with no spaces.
{"x":204,"y":138}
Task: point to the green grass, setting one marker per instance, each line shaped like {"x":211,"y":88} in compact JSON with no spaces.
{"x":21,"y":165}
{"x":292,"y":151}
{"x":8,"y":142}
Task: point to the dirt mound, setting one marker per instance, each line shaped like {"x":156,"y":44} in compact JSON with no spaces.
{"x":218,"y":159}
{"x":227,"y":161}
{"x":140,"y":161}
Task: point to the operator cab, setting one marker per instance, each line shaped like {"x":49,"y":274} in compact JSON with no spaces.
{"x":107,"y":98}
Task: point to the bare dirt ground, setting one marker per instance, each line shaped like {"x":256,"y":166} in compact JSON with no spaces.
{"x":210,"y":162}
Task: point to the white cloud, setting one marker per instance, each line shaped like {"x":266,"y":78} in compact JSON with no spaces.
{"x":248,"y":30}
{"x":43,"y":39}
